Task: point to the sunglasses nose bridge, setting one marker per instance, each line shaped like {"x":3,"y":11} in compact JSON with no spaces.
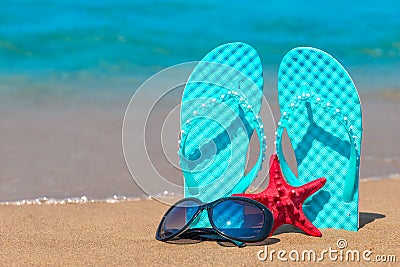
{"x":206,"y":207}
{"x":200,"y":221}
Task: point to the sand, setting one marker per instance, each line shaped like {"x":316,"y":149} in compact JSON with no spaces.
{"x":72,"y":149}
{"x":123,"y":234}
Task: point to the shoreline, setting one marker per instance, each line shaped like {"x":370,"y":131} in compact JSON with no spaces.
{"x":72,"y":147}
{"x":123,"y":234}
{"x":43,"y":200}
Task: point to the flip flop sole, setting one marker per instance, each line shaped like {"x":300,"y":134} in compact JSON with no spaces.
{"x":216,"y":129}
{"x":322,"y":106}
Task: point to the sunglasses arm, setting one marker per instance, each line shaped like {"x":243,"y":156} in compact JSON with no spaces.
{"x":211,"y":234}
{"x":238,"y":243}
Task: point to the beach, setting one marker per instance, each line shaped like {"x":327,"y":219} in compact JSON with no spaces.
{"x":73,"y":193}
{"x":122,"y":234}
{"x":80,"y":151}
{"x":73,"y":150}
{"x":70,"y":148}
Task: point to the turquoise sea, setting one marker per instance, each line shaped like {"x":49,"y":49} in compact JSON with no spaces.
{"x":88,"y":42}
{"x":89,"y":56}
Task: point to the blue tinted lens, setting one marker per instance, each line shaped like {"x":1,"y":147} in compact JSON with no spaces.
{"x":238,"y":219}
{"x":178,"y":217}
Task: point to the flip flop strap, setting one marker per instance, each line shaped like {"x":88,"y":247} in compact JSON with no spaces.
{"x":316,"y":101}
{"x":254,"y":121}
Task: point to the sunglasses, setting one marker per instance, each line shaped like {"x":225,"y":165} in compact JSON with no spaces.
{"x":234,"y":219}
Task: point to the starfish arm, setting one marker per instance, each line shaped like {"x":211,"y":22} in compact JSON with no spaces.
{"x":307,"y":227}
{"x":310,"y":188}
{"x":285,"y":201}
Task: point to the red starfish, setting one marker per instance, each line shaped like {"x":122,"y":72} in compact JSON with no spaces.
{"x":286,"y":201}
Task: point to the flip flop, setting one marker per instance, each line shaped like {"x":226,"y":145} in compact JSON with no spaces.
{"x":321,"y":112}
{"x":219,"y":112}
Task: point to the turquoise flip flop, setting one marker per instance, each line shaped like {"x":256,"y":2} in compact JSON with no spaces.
{"x":321,"y":112}
{"x":219,"y":112}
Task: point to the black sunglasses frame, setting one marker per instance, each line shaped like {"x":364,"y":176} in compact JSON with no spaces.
{"x":185,"y":231}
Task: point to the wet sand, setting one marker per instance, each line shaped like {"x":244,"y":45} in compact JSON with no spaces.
{"x":72,"y":148}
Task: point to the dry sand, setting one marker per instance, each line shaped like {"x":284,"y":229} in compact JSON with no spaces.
{"x":123,"y":234}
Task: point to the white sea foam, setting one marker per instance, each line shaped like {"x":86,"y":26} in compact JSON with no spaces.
{"x":117,"y":198}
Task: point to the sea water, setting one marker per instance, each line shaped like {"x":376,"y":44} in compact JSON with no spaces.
{"x":101,"y":39}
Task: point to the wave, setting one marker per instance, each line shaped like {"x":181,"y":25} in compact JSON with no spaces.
{"x":121,"y":198}
{"x":55,"y":35}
